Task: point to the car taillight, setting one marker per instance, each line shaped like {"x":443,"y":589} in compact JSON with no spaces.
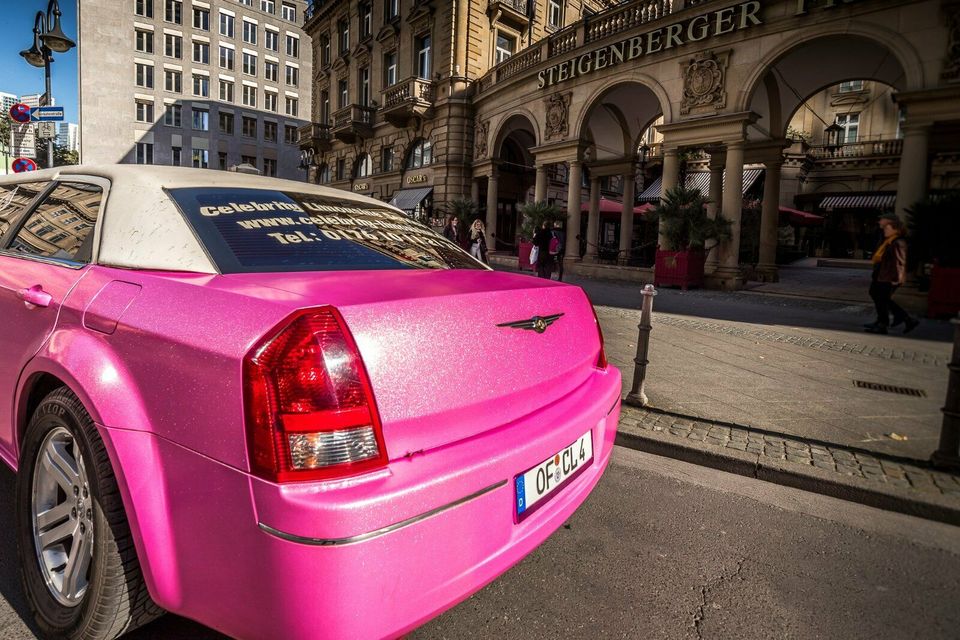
{"x":602,"y":358}
{"x":310,"y":411}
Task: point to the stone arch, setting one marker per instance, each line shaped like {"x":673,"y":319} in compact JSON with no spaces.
{"x":617,"y":113}
{"x":520,"y":119}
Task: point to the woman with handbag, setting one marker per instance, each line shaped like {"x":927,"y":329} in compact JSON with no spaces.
{"x":478,"y":241}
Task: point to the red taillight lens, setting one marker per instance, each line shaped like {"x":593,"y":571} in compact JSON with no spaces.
{"x":602,"y":358}
{"x":309,"y":407}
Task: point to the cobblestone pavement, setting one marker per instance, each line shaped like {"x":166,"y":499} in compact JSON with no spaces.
{"x":892,"y":472}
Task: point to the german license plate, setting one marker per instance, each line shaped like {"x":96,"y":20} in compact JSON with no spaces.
{"x":536,"y":486}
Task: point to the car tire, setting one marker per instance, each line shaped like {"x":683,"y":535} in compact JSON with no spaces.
{"x":78,"y":564}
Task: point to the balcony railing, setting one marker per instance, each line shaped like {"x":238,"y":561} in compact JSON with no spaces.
{"x":353,"y":121}
{"x":520,"y":62}
{"x":411,"y":89}
{"x":862,"y":149}
{"x":315,"y":136}
{"x":517,"y":6}
{"x":625,"y":18}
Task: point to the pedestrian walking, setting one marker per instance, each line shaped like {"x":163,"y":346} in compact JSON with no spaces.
{"x":889,"y":272}
{"x":542,"y":240}
{"x":560,"y":246}
{"x":451,"y":231}
{"x":478,"y":241}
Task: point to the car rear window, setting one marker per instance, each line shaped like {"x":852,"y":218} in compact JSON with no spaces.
{"x":258,"y":230}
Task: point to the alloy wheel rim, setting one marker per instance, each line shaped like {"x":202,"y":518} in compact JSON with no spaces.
{"x":62,"y":517}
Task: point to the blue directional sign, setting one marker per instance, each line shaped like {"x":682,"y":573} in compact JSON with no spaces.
{"x":41,"y":114}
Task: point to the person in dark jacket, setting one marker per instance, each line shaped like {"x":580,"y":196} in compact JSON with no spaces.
{"x":562,"y":237}
{"x":889,"y":272}
{"x":451,"y":231}
{"x":544,"y":260}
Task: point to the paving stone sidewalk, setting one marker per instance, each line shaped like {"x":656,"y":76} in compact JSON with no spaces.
{"x":867,"y":477}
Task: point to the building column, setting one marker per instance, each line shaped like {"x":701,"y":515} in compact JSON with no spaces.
{"x":914,"y":164}
{"x":670,"y":179}
{"x":574,"y":190}
{"x":492,"y":197}
{"x":770,"y":213}
{"x":540,"y":189}
{"x":475,"y":191}
{"x":717,"y":160}
{"x":593,"y":221}
{"x":728,"y":273}
{"x":626,"y":217}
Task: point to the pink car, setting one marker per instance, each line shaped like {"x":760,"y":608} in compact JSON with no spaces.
{"x":281,"y":410}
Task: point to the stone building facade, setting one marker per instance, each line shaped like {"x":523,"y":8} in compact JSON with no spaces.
{"x":208,"y":84}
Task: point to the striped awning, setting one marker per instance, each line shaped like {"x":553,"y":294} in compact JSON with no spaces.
{"x":869,"y":201}
{"x":409,"y":199}
{"x":698,"y":180}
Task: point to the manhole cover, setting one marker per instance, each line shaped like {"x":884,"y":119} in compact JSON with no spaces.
{"x":889,"y":388}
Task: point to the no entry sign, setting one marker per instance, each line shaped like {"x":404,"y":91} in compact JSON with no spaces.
{"x":24,"y":164}
{"x":20,"y":113}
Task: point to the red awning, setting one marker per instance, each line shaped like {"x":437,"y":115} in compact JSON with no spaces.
{"x":608,"y":205}
{"x":801,"y":218}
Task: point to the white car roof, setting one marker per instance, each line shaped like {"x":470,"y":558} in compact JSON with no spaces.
{"x":141,"y":227}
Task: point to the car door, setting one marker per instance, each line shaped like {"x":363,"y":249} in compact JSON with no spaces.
{"x":43,"y":254}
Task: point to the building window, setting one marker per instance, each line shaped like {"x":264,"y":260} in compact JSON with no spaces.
{"x":364,"y":80}
{"x":325,"y":107}
{"x":144,"y":75}
{"x":201,"y":52}
{"x":222,"y":160}
{"x":226,"y":123}
{"x":201,"y":158}
{"x":249,"y":32}
{"x":172,"y":46}
{"x":227,"y":56}
{"x":506,"y":47}
{"x":270,"y":101}
{"x":173,"y":116}
{"x":271,"y":39}
{"x":364,"y":166}
{"x":248,"y":127}
{"x":250,"y":64}
{"x":269,"y":167}
{"x":201,"y":120}
{"x":391,"y":9}
{"x":292,"y":106}
{"x":850,"y":123}
{"x":173,"y":11}
{"x":176,"y":156}
{"x":390,"y":69}
{"x":201,"y":86}
{"x":144,"y":41}
{"x":293,"y":76}
{"x":423,"y":45}
{"x":293,"y":46}
{"x":144,"y":111}
{"x":227,"y":25}
{"x":323,"y":174}
{"x":554,"y":14}
{"x":290,"y":134}
{"x":250,"y":160}
{"x":248,"y":96}
{"x":226,"y":91}
{"x":201,"y":19}
{"x":366,"y":20}
{"x":421,"y":155}
{"x":246,"y":3}
{"x":271,"y":71}
{"x":344,"y":93}
{"x":341,"y":168}
{"x":343,"y":28}
{"x":851,"y":85}
{"x":172,"y":81}
{"x":386,"y":159}
{"x":270,"y":131}
{"x":288,"y":11}
{"x":268,"y":6}
{"x":144,"y":153}
{"x":325,"y":49}
{"x":144,"y":8}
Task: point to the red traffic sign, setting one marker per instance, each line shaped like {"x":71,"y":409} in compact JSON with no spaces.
{"x":20,"y":113}
{"x":24,"y":164}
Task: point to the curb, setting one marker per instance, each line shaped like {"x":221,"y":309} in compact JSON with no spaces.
{"x":828,"y":483}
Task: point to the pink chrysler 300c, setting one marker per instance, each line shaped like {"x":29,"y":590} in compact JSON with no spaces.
{"x":281,"y":410}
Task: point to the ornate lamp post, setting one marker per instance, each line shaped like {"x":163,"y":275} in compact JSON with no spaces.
{"x":48,"y":37}
{"x":833,"y":138}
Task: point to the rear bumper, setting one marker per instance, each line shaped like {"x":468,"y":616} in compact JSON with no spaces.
{"x":369,"y":558}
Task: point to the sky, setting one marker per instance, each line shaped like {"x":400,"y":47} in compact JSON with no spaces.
{"x":16,"y":34}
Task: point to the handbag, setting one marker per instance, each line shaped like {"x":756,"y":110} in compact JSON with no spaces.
{"x":534,"y":254}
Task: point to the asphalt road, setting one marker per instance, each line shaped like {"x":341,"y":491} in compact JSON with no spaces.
{"x":664,"y":549}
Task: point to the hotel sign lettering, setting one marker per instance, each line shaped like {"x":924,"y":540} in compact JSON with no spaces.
{"x":716,"y":23}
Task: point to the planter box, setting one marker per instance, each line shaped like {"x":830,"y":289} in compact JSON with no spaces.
{"x":944,"y":296}
{"x":523,"y":257}
{"x":682,"y":269}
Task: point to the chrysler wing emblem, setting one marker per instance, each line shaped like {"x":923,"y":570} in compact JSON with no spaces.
{"x":536,"y":323}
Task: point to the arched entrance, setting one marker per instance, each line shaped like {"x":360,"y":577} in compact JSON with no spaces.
{"x":511,"y":182}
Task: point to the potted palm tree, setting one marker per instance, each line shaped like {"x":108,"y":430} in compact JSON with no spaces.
{"x":687,"y":230}
{"x":534,"y":214}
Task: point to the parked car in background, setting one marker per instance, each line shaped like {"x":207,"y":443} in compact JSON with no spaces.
{"x":278,"y":409}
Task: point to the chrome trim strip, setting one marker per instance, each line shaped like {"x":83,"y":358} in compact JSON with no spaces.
{"x":613,"y":406}
{"x":336,"y":542}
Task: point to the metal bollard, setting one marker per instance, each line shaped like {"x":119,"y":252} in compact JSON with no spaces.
{"x":948,"y":454}
{"x":637,"y":397}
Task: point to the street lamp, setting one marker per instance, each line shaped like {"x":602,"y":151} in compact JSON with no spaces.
{"x":832,"y":137}
{"x":48,"y":37}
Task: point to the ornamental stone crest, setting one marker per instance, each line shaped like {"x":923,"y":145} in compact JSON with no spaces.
{"x":558,"y":109}
{"x":481,"y":131}
{"x":704,"y":80}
